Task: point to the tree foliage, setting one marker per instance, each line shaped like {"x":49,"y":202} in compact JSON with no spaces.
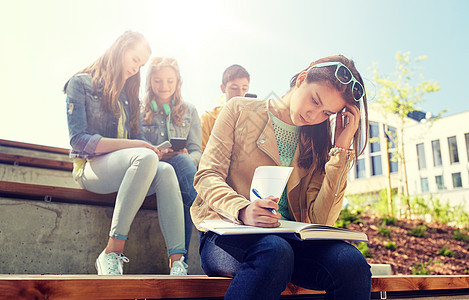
{"x":401,"y":93}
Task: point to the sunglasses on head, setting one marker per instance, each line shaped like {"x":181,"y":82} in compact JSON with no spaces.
{"x":345,"y":76}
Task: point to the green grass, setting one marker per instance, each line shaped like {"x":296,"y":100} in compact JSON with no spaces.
{"x":389,"y":221}
{"x":419,"y":231}
{"x":420,"y":269}
{"x":364,"y":249}
{"x":390,"y":245}
{"x":459,"y":236}
{"x":445,"y":251}
{"x":384,"y":231}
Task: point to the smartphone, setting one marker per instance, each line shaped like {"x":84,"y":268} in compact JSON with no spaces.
{"x":250,"y":95}
{"x":178,"y":144}
{"x":164,"y":145}
{"x":345,"y":119}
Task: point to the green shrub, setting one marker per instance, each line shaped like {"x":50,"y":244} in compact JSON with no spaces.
{"x":420,"y":269}
{"x":419,"y":206}
{"x":445,"y":251}
{"x":419,"y":231}
{"x":347,"y":217}
{"x":364,"y":249}
{"x":384,"y":231}
{"x":459,"y":236}
{"x":390,"y":245}
{"x":389,"y":221}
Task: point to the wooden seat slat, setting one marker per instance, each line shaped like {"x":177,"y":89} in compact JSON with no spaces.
{"x":192,"y":286}
{"x":15,"y":144}
{"x":63,"y":194}
{"x":36,"y":162}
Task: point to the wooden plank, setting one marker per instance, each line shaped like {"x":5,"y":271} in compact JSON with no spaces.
{"x":419,"y":282}
{"x":63,"y":194}
{"x":44,"y":148}
{"x":192,"y":286}
{"x":119,"y":287}
{"x":36,"y":162}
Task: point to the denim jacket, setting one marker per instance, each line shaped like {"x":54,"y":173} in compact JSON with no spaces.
{"x":88,"y":122}
{"x":156,"y":132}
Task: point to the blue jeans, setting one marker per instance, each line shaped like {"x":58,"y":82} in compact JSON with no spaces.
{"x":185,"y":171}
{"x":262,"y":266}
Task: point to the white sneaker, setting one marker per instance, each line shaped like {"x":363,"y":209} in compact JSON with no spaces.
{"x":110,"y":264}
{"x":179,"y":267}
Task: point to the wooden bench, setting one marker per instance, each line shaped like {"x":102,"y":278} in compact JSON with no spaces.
{"x":48,"y":192}
{"x":193,"y":286}
{"x":149,"y":286}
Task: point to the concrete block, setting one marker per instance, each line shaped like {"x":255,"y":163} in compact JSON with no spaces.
{"x":46,"y":237}
{"x":381,"y":269}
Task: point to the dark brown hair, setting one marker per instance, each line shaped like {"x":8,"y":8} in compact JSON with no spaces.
{"x":315,"y":140}
{"x":233,"y":72}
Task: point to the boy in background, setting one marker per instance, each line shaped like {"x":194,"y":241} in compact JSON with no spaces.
{"x":235,"y":83}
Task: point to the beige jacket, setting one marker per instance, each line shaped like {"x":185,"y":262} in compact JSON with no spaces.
{"x":242,"y":139}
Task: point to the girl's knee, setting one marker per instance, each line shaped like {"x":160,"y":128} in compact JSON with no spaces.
{"x":166,"y":170}
{"x":148,"y":157}
{"x":355,"y":264}
{"x":279,"y":251}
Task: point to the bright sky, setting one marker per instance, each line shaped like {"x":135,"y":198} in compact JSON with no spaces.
{"x":45,"y":42}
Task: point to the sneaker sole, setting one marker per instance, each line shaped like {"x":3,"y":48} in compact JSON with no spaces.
{"x":98,"y":268}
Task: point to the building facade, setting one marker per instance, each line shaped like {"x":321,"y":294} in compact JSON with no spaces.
{"x":436,"y":152}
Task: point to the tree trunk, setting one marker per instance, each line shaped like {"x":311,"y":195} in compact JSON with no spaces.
{"x":388,"y":177}
{"x":405,"y":185}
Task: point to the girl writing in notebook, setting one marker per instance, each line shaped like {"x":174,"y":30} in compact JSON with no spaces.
{"x":111,"y":155}
{"x":292,"y":131}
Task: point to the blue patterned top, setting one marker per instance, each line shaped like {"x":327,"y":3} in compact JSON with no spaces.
{"x":287,"y":137}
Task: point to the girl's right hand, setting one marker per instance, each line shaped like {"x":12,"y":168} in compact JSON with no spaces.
{"x":258,"y":214}
{"x":159,"y":152}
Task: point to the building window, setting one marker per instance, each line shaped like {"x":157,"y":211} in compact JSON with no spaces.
{"x":421,"y":156}
{"x":360,"y":168}
{"x":467,"y":144}
{"x":393,"y":163}
{"x":436,"y":153}
{"x":374,"y":137}
{"x":453,"y":149}
{"x":457,"y":182}
{"x":424,"y":184}
{"x":440,"y":184}
{"x":376,"y":166}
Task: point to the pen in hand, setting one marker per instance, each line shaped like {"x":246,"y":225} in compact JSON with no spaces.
{"x":259,"y":196}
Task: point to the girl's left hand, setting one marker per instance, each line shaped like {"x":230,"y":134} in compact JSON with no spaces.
{"x":344,"y":131}
{"x":171,"y":154}
{"x":161,"y":153}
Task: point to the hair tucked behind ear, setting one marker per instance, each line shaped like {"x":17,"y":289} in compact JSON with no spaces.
{"x":106,"y":73}
{"x":315,"y":140}
{"x":178,"y":108}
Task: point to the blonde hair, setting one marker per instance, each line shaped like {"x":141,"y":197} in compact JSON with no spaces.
{"x":106,"y":74}
{"x":178,"y":107}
